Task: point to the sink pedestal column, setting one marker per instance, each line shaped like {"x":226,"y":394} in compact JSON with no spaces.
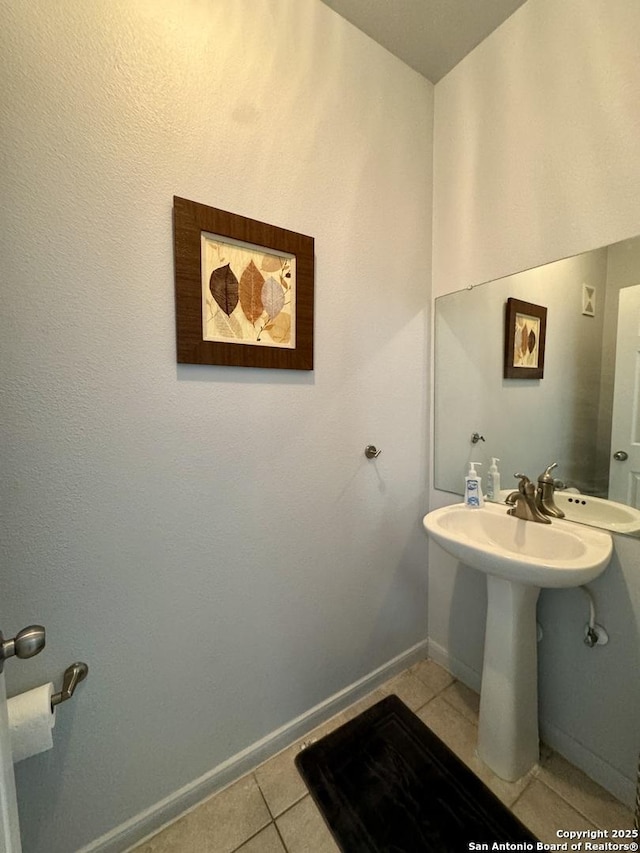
{"x":508,"y":724}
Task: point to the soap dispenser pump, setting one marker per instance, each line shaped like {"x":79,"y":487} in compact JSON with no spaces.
{"x":473,"y":487}
{"x":493,"y":480}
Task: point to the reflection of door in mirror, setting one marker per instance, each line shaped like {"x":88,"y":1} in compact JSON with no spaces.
{"x":624,"y":471}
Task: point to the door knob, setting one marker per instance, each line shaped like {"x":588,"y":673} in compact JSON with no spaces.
{"x":28,"y":643}
{"x":621,"y":456}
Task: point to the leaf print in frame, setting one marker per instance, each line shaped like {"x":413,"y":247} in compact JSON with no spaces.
{"x":251,"y":282}
{"x":227,"y":327}
{"x":244,"y":290}
{"x":224,"y":288}
{"x":244,"y":304}
{"x":280,"y":329}
{"x":272,"y":297}
{"x":270,"y":263}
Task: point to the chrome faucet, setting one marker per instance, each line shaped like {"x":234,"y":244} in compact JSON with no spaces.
{"x":544,"y":494}
{"x":523,"y":502}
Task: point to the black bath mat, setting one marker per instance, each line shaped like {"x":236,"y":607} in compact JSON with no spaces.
{"x":386,"y":784}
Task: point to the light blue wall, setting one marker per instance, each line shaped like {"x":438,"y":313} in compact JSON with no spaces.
{"x":211,"y":540}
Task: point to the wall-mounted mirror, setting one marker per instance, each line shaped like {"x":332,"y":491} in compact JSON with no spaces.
{"x":583,"y":414}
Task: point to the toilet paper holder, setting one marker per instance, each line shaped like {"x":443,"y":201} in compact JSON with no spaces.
{"x":73,"y":675}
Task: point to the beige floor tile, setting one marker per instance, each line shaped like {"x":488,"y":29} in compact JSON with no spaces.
{"x":461,"y":736}
{"x":554,"y":796}
{"x":596,"y":804}
{"x":324,"y":729}
{"x":545,"y":753}
{"x":544,"y":812}
{"x":266,"y":841}
{"x":280,"y":781}
{"x":432,"y":674}
{"x":303,"y":830}
{"x":463,"y":699}
{"x":170,"y":840}
{"x":278,"y":778}
{"x":408,"y":687}
{"x":219,"y":825}
{"x":363,"y":704}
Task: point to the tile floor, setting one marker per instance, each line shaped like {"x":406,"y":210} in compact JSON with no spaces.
{"x":270,"y":810}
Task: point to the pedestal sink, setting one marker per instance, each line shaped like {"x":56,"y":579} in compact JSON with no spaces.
{"x":519,"y":558}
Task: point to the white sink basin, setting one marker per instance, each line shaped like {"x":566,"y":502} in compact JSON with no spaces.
{"x":586,"y":509}
{"x":518,"y":557}
{"x":606,"y":514}
{"x":542,"y":555}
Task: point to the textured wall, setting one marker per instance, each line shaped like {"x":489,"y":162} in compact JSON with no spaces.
{"x":211,"y":540}
{"x":535,"y":158}
{"x":535,"y":140}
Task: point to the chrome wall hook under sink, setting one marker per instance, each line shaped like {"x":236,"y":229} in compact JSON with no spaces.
{"x":371,"y":451}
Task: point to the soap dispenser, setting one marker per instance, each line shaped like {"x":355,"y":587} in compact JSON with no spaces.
{"x":493,"y":480}
{"x":473,"y":487}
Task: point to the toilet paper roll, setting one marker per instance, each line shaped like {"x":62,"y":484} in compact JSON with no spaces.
{"x":31,"y":722}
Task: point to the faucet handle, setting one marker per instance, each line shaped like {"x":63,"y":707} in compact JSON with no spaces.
{"x":524,"y":482}
{"x":547,"y":477}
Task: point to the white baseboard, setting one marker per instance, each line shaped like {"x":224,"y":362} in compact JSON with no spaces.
{"x":456,"y":667}
{"x":161,"y":814}
{"x":595,"y":767}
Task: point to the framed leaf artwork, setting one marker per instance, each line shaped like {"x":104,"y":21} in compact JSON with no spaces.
{"x":244,"y":290}
{"x":524,"y":340}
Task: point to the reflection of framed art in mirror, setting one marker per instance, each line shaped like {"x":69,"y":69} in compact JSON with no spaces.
{"x":524,"y":338}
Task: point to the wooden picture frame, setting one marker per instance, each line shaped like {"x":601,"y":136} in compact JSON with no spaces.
{"x":525,"y":332}
{"x":244,"y":290}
